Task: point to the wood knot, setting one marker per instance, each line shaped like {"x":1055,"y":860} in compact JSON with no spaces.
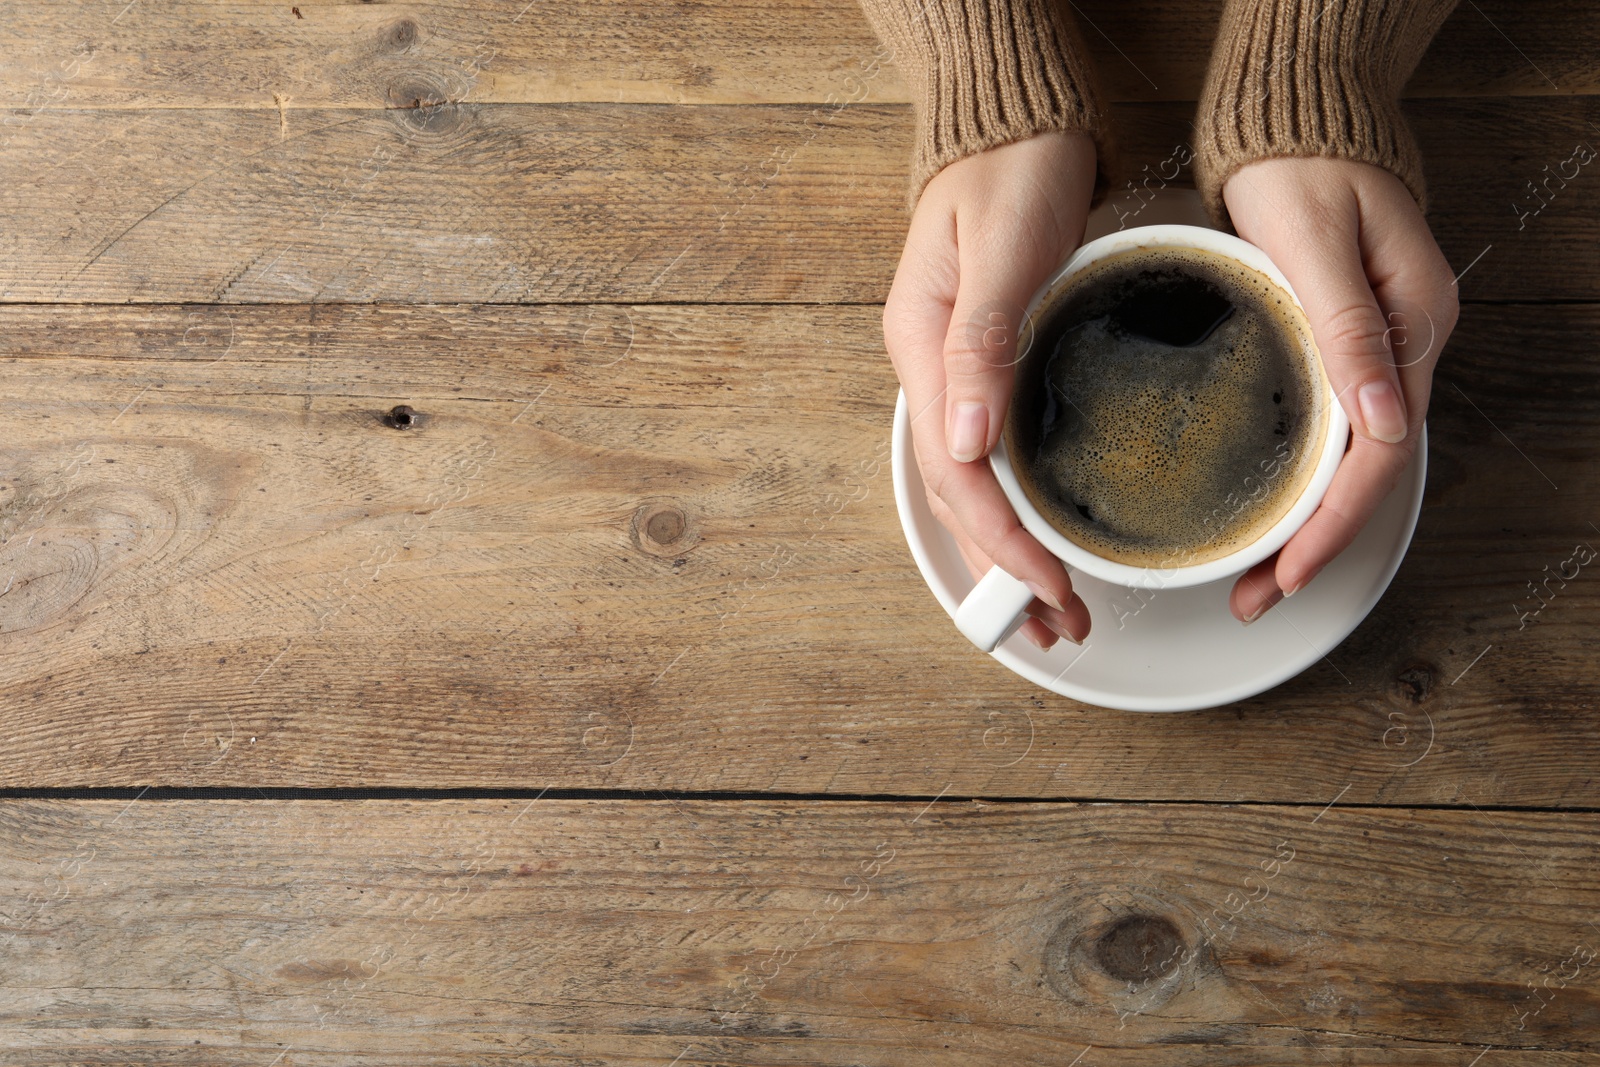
{"x":1415,"y":682}
{"x":429,"y":106}
{"x":666,"y":526}
{"x":400,"y":35}
{"x":410,"y":96}
{"x":662,"y":528}
{"x":1137,"y":948}
{"x":401,"y":417}
{"x":1134,"y":959}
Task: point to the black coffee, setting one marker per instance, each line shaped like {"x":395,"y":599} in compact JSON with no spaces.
{"x":1166,"y":413}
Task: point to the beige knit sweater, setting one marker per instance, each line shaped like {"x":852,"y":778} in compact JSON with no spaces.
{"x":1286,"y":78}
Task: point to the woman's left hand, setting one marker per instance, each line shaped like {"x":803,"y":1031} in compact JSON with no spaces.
{"x":1381,"y":301}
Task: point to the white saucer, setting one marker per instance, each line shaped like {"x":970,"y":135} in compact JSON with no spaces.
{"x":1178,"y":649}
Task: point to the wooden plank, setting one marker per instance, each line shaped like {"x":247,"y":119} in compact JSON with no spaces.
{"x":1534,"y":200}
{"x":621,"y":203}
{"x":634,"y":932}
{"x":455,"y":203}
{"x":656,"y":547}
{"x":261,"y":55}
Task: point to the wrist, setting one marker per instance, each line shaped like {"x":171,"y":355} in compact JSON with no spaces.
{"x":986,"y":73}
{"x":1289,"y":78}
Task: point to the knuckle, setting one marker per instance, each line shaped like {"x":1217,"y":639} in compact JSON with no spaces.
{"x":1383,"y":463}
{"x":986,"y":337}
{"x":1393,"y":459}
{"x":1356,"y":330}
{"x":971,"y":353}
{"x":1012,"y":546}
{"x":936,"y":477}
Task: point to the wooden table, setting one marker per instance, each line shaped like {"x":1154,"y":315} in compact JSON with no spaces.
{"x":455,"y":611}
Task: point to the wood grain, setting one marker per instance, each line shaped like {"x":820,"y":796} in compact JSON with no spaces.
{"x":624,"y":203}
{"x":261,"y":55}
{"x":595,"y":496}
{"x":656,"y":547}
{"x":633,"y":932}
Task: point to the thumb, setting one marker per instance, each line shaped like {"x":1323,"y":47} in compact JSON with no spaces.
{"x":1350,"y":329}
{"x":988,"y":336}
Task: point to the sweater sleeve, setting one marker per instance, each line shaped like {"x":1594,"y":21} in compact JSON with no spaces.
{"x":983,"y":73}
{"x":1312,"y":78}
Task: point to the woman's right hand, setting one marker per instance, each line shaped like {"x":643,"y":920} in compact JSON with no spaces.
{"x":988,"y":230}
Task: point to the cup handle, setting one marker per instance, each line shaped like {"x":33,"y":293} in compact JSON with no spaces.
{"x":994,"y":610}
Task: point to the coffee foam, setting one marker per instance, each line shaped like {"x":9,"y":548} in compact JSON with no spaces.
{"x":1163,"y":455}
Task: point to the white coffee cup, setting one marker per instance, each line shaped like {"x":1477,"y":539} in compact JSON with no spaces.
{"x":995,"y":608}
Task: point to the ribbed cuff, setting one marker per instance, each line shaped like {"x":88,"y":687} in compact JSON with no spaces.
{"x":1312,"y":78}
{"x":984,"y":73}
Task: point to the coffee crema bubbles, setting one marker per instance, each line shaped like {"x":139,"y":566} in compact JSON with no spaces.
{"x":1170,"y":409}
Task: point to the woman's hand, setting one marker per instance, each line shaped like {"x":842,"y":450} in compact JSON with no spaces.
{"x":1381,"y":301}
{"x":987,"y":232}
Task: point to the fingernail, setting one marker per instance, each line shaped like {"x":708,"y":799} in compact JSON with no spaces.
{"x":969,"y":431}
{"x":1061,"y":631}
{"x":1045,"y":595}
{"x":1262,"y":610}
{"x":1381,"y":411}
{"x":1301,"y":583}
{"x":1036,"y":639}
